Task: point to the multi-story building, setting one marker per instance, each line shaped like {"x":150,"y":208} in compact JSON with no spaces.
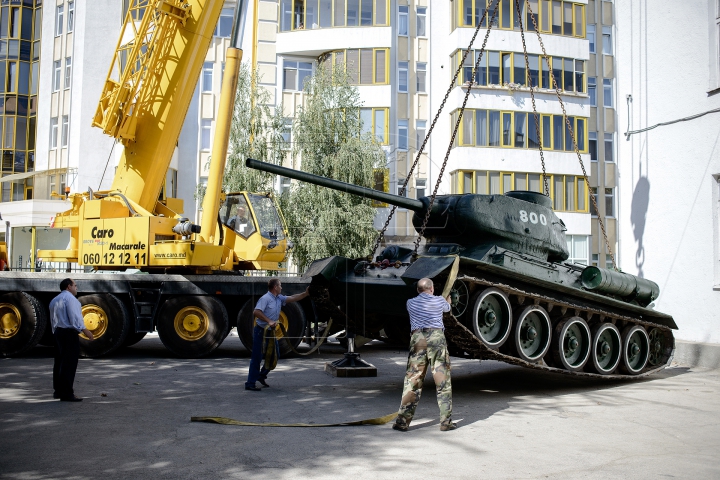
{"x":602,"y":134}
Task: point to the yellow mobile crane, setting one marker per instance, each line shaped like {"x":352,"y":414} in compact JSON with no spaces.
{"x":192,"y":295}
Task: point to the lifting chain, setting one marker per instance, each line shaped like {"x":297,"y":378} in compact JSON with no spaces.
{"x":567,"y":123}
{"x":528,"y":80}
{"x":381,"y":235}
{"x":421,"y":232}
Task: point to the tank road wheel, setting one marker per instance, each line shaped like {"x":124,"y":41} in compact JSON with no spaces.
{"x":192,"y":326}
{"x":606,"y":348}
{"x":459,"y":298}
{"x":291,"y":317}
{"x":492,"y":317}
{"x":660,"y":347}
{"x":636,"y":349}
{"x":106,"y":317}
{"x":22,"y":323}
{"x":571,"y":344}
{"x":532,"y":333}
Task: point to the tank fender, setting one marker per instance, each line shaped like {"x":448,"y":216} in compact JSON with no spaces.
{"x":429,"y":267}
{"x":325,"y":270}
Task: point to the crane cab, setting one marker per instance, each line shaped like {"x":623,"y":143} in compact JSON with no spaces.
{"x":254,"y":230}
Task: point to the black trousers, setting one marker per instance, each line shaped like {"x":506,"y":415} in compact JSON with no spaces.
{"x":67,"y":352}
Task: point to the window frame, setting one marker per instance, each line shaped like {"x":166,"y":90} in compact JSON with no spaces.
{"x":403,"y":66}
{"x":421,"y":67}
{"x":592,"y":86}
{"x":424,"y":17}
{"x":607,"y":34}
{"x":205,"y":127}
{"x":68,"y":73}
{"x":608,"y":93}
{"x":70,"y":16}
{"x":609,"y":143}
{"x":54,"y":133}
{"x":402,"y":124}
{"x":206,"y":86}
{"x":406,"y":15}
{"x":59,"y":19}
{"x":592,"y":43}
{"x":373,"y":124}
{"x":57,"y":73}
{"x":65,"y":131}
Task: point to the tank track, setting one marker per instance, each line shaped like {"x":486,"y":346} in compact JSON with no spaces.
{"x":463,"y":343}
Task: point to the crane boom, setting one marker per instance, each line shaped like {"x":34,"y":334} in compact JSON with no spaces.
{"x":147,"y":92}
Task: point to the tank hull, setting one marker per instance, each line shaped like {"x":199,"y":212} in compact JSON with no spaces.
{"x":374,"y":295}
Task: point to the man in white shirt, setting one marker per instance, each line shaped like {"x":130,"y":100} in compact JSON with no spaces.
{"x":428,"y":348}
{"x":67,"y":323}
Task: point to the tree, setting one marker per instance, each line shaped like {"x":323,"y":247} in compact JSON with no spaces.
{"x":329,"y":140}
{"x":256,"y":132}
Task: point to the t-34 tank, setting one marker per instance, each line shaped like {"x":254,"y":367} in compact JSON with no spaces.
{"x":514,"y":297}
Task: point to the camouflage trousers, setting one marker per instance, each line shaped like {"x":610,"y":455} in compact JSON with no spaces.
{"x":427,"y":349}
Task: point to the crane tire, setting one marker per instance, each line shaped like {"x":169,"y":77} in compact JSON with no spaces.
{"x":192,"y":326}
{"x":22,"y":323}
{"x":107,"y":318}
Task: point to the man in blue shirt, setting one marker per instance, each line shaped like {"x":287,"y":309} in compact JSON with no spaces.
{"x":428,"y":348}
{"x":67,"y":323}
{"x":267,"y":313}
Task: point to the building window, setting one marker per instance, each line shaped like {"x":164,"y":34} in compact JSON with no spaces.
{"x":402,"y":77}
{"x":287,"y":133}
{"x":609,"y":202}
{"x":578,"y":248}
{"x":207,"y":77}
{"x":492,"y":128}
{"x":568,"y":192}
{"x":420,"y":132}
{"x":607,"y":40}
{"x":579,"y":76}
{"x":71,"y":16}
{"x":420,"y":21}
{"x":295,"y":73}
{"x":556,"y":17}
{"x":313,"y":14}
{"x":403,"y":20}
{"x":421,"y":75}
{"x":65,"y":131}
{"x":591,"y":37}
{"x":420,"y":184}
{"x":381,"y":183}
{"x":225,"y":24}
{"x":607,"y":92}
{"x":68,"y":71}
{"x":53,"y":132}
{"x":595,"y":259}
{"x":205,"y":126}
{"x":59,"y":19}
{"x":374,"y":122}
{"x":609,"y":148}
{"x":366,"y":66}
{"x":592,"y":146}
{"x":285,"y":184}
{"x":593,"y":200}
{"x":402,"y":135}
{"x":57,"y":72}
{"x":592,"y":91}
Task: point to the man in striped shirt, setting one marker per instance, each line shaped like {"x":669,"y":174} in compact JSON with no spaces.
{"x":428,"y":348}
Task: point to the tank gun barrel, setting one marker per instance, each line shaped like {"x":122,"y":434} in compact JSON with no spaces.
{"x":409,"y":203}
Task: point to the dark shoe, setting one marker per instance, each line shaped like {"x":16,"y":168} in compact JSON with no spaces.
{"x":264,"y":383}
{"x":253,"y":388}
{"x":400,"y":427}
{"x":444,"y":427}
{"x":71,"y":399}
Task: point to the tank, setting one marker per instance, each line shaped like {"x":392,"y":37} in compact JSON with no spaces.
{"x":514,"y":296}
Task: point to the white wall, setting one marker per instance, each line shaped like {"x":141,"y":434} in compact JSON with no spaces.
{"x":667,"y":193}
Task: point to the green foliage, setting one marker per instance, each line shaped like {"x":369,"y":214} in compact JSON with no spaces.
{"x":328,"y":139}
{"x":256,"y":132}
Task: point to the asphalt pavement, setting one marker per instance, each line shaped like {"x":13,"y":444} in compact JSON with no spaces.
{"x":514,"y":423}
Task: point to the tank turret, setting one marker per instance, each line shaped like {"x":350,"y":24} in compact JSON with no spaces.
{"x":519,"y":220}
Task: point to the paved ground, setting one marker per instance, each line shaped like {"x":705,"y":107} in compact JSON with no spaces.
{"x":515,"y":423}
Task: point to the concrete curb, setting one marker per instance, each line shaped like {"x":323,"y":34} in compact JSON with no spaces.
{"x":696,"y":354}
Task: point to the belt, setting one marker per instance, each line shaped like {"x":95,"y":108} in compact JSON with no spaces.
{"x":426,"y":330}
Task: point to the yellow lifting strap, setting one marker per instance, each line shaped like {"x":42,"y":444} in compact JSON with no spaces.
{"x":230,"y":421}
{"x":270,"y":354}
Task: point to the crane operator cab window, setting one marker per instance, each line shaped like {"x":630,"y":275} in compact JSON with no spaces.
{"x":236,"y":215}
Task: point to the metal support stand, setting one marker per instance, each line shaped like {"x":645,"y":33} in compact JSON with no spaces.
{"x":351,"y":365}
